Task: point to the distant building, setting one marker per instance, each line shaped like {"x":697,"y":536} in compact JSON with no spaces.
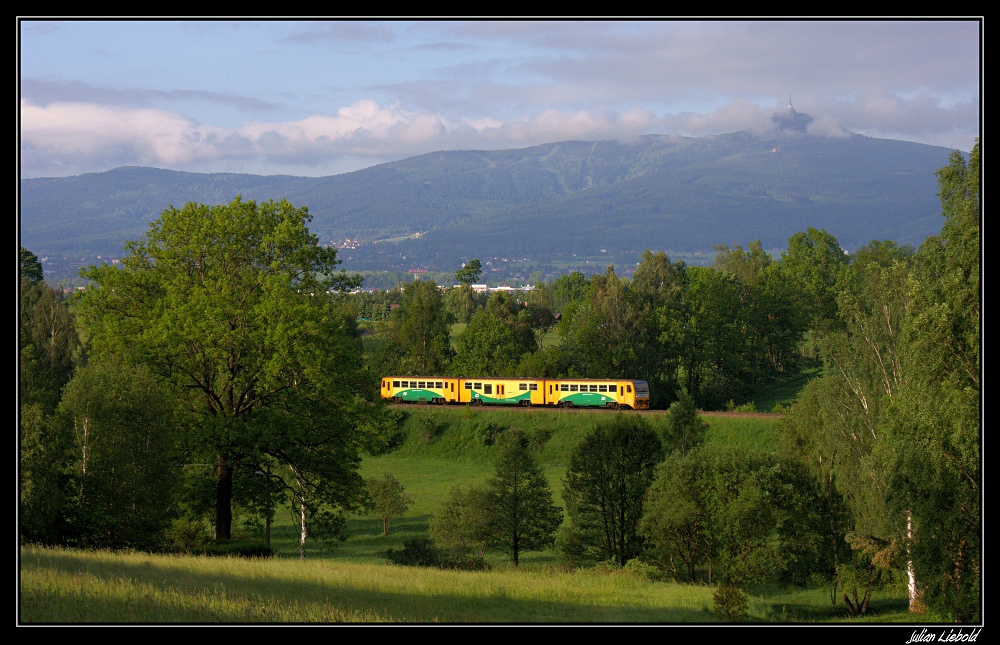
{"x":482,"y":288}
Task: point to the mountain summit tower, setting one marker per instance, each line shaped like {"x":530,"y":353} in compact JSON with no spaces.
{"x":791,"y":120}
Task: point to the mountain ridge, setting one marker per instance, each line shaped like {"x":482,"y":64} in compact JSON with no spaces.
{"x":663,"y":192}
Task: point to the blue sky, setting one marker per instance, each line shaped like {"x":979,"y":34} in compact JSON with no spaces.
{"x":323,"y":97}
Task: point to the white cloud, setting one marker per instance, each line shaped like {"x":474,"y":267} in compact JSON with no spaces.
{"x":364,"y":128}
{"x":68,"y":138}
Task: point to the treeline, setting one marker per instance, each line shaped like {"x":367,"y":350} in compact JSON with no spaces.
{"x":723,"y":334}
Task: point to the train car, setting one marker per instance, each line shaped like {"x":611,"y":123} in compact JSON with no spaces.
{"x":420,"y":389}
{"x":502,"y":391}
{"x":602,"y":393}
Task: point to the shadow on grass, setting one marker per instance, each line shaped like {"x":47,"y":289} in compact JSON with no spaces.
{"x":346,"y":595}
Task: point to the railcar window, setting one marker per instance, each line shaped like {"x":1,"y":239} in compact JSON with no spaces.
{"x":593,"y":388}
{"x":523,"y":387}
{"x":564,"y":388}
{"x":477,"y":386}
{"x":602,"y":388}
{"x":405,"y":384}
{"x":468,"y":386}
{"x":533,"y":387}
{"x":421,"y":384}
{"x":439,"y":384}
{"x":488,"y":389}
{"x":573,"y":387}
{"x":613,"y":388}
{"x":395,"y":383}
{"x":629,"y":388}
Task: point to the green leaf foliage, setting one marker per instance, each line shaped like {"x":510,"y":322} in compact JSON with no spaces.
{"x":122,"y":422}
{"x":685,"y":430}
{"x":738,"y":516}
{"x":386,"y":499}
{"x":939,"y":423}
{"x":523,"y":516}
{"x":470,"y":272}
{"x":235,"y":308}
{"x":420,"y":330}
{"x":31,"y":268}
{"x":464,"y":523}
{"x":607,"y":478}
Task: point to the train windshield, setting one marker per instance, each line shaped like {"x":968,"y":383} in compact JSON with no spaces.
{"x":641,"y":389}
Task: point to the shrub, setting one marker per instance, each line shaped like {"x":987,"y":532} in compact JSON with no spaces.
{"x":417,"y":552}
{"x":464,"y":562}
{"x":186,"y":533}
{"x":640,"y":569}
{"x":242,"y":549}
{"x":746,"y":407}
{"x":730,"y":603}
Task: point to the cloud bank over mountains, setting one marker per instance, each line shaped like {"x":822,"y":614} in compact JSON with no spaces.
{"x":322,"y":98}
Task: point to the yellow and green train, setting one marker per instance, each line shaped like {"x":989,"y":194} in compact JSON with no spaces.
{"x":590,"y":393}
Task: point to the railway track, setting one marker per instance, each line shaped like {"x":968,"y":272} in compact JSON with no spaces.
{"x":573,"y":410}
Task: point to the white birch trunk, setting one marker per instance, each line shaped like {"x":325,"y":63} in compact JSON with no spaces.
{"x":911,"y":576}
{"x":302,"y":539}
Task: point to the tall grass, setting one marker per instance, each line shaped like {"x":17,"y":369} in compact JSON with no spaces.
{"x":67,"y":586}
{"x":63,"y":586}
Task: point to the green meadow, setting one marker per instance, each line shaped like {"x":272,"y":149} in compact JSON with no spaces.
{"x":351,"y":581}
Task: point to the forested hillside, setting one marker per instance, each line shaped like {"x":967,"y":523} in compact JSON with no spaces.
{"x":662,"y":193}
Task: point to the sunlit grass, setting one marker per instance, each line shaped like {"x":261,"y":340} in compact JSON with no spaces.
{"x":751,"y":433}
{"x":59,"y":585}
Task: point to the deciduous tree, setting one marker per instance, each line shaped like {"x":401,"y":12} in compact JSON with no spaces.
{"x":422,"y":326}
{"x":607,"y":478}
{"x":386,"y":499}
{"x":122,"y":420}
{"x":939,"y":425}
{"x":234,"y":307}
{"x":742,"y":515}
{"x":813,"y":263}
{"x":470,"y":271}
{"x":463,"y":524}
{"x":47,"y":351}
{"x":685,"y":429}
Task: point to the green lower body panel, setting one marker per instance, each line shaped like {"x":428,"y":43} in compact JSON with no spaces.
{"x":415,"y":395}
{"x":588,"y":399}
{"x":478,"y":397}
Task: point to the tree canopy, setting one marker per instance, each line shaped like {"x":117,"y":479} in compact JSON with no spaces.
{"x":470,"y":271}
{"x":522,"y":515}
{"x":607,"y":478}
{"x":233,"y":306}
{"x":386,"y":499}
{"x":420,"y":327}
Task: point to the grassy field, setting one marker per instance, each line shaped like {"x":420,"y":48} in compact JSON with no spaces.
{"x":350,"y":581}
{"x":66,"y":586}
